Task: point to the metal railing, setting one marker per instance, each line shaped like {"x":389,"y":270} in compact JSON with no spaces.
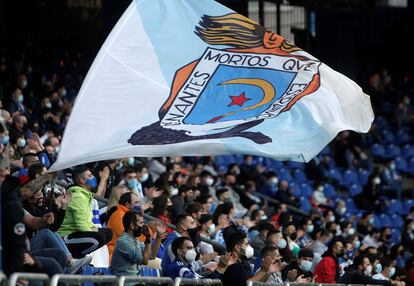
{"x":254,"y":283}
{"x":78,"y":279}
{"x":186,"y":281}
{"x":292,"y":208}
{"x":147,"y":280}
{"x":27,"y":276}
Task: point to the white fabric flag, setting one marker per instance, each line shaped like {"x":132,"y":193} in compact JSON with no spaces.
{"x":191,"y":78}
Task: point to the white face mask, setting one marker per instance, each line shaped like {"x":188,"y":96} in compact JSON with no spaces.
{"x":342,"y":210}
{"x":310,"y":228}
{"x":21,"y":142}
{"x":350,"y":231}
{"x":248,"y":252}
{"x":392,"y":272}
{"x":377,"y":181}
{"x":211,"y":228}
{"x":209,"y":181}
{"x":174,"y":191}
{"x":131,"y":161}
{"x":305,"y":265}
{"x":281,"y":244}
{"x":368,"y":271}
{"x":331,"y":218}
{"x":144,"y":177}
{"x":190,"y":255}
{"x":264,"y":217}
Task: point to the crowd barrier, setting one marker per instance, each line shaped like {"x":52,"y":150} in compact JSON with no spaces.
{"x":121,"y":281}
{"x":29,"y":277}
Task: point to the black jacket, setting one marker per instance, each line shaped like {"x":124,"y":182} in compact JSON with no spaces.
{"x":353,"y":276}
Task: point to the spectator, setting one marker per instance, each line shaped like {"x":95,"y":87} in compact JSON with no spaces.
{"x":239,"y":271}
{"x":301,"y":268}
{"x":127,"y":202}
{"x":185,"y":195}
{"x":185,"y":253}
{"x":355,"y":274}
{"x":130,"y":252}
{"x":259,"y":241}
{"x":387,"y":271}
{"x":327,"y":270}
{"x":80,"y":234}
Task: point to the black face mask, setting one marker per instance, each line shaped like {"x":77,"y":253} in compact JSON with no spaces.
{"x":341,"y":253}
{"x":138,"y":231}
{"x":194,"y":236}
{"x":388,"y":236}
{"x":293,"y":235}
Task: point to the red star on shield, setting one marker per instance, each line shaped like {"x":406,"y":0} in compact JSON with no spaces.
{"x":238,"y":100}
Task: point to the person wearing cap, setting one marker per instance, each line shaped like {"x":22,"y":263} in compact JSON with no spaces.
{"x":302,"y":266}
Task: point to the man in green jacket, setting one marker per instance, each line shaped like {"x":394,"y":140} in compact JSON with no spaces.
{"x":78,"y":231}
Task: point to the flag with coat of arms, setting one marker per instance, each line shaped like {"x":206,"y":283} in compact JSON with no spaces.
{"x":189,"y":77}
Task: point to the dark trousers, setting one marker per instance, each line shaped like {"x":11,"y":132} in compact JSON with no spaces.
{"x":53,"y":261}
{"x":83,"y":242}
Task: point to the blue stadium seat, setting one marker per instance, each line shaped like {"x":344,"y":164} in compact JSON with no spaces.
{"x":149,"y":272}
{"x":401,"y":164}
{"x":388,"y":136}
{"x":378,"y":150}
{"x":406,"y":206}
{"x":272,"y":164}
{"x":355,"y":189}
{"x":377,"y":221}
{"x":305,"y":204}
{"x":306,"y":189}
{"x":329,"y":191}
{"x":238,"y":158}
{"x":300,"y":176}
{"x":397,"y":222}
{"x":402,"y":137}
{"x":335,"y":174}
{"x":350,"y":177}
{"x":382,"y":122}
{"x":410,"y":166}
{"x":297,"y":190}
{"x":395,"y":207}
{"x":385,"y":220}
{"x":392,"y":151}
{"x":296,"y":165}
{"x":395,"y":236}
{"x":363,"y":176}
{"x":90,"y":270}
{"x":284,"y":174}
{"x":408,"y":151}
{"x":351,"y":207}
{"x":219,"y":160}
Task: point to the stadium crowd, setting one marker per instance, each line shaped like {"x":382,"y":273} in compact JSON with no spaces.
{"x":345,"y":217}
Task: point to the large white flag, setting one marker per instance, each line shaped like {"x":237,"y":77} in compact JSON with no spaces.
{"x":192,"y":77}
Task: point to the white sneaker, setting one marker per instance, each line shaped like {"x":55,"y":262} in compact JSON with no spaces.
{"x":78,"y":263}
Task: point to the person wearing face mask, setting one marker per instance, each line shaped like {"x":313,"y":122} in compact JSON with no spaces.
{"x":207,"y":229}
{"x":16,"y":102}
{"x":290,"y":233}
{"x":185,"y":255}
{"x":271,"y":185}
{"x":308,"y":228}
{"x":239,"y":271}
{"x":236,"y":194}
{"x":322,"y":239}
{"x":387,"y":271}
{"x":127,"y":202}
{"x":130,"y":252}
{"x":391,"y":178}
{"x":359,"y":273}
{"x":258,"y":242}
{"x":327,"y":270}
{"x":302,"y":266}
{"x":186,"y":226}
{"x":77,"y":224}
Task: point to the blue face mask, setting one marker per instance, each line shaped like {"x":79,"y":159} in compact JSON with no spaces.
{"x":349,"y":254}
{"x":5,"y":140}
{"x":92,"y":182}
{"x":132,"y":183}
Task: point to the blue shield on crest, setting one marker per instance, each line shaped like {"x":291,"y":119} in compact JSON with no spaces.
{"x":238,"y":93}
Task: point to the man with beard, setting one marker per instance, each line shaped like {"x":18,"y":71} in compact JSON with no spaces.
{"x":327,"y":270}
